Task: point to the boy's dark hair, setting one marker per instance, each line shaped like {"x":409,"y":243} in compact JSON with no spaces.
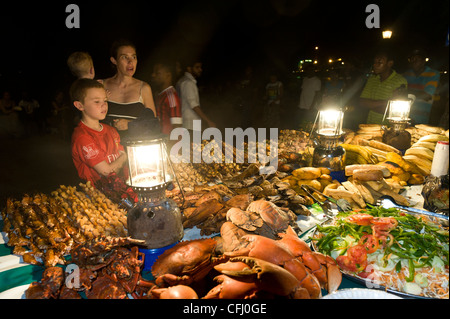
{"x":79,"y":87}
{"x":385,"y":52}
{"x":120,"y":43}
{"x":169,"y":66}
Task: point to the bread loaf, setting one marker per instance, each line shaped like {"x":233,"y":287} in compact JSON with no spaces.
{"x":367,"y":175}
{"x":307,"y":172}
{"x":349,"y":169}
{"x":433,"y":138}
{"x":430,"y":129}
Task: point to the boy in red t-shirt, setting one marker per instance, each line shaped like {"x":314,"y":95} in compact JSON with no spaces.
{"x":168,"y":105}
{"x":96,"y":148}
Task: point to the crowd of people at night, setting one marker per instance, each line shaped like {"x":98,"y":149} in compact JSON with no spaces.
{"x":176,"y":96}
{"x":256,"y":97}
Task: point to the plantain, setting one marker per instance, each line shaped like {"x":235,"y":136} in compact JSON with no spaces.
{"x":362,"y":151}
{"x":354,"y":158}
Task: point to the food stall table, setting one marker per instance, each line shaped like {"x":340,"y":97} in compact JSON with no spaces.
{"x":15,"y":275}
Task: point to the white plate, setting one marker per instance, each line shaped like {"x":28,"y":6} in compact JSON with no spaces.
{"x":360,"y":293}
{"x":14,"y":293}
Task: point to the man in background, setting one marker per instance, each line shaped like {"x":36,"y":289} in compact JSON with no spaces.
{"x":190,"y":101}
{"x":422,"y":82}
{"x":383,"y":85}
{"x":310,"y":94}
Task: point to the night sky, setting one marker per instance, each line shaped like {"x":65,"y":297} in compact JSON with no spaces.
{"x":228,"y":34}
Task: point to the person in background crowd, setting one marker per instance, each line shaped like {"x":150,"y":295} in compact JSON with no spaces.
{"x":81,"y":65}
{"x":7,"y":104}
{"x":246,"y":94}
{"x":128,"y":98}
{"x":96,"y":148}
{"x":60,"y":121}
{"x":383,"y":85}
{"x":28,"y":107}
{"x":187,"y":90}
{"x":444,"y":120}
{"x":332,"y":91}
{"x":422,"y":82}
{"x":168,"y":105}
{"x":273,"y":96}
{"x":310,"y":94}
{"x":10,"y":125}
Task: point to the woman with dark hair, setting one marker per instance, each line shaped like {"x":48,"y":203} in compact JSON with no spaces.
{"x":128,"y":98}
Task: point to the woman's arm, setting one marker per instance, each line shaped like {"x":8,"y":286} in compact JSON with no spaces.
{"x":147,"y":95}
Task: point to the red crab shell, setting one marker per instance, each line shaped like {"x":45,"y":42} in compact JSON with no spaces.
{"x":190,"y":260}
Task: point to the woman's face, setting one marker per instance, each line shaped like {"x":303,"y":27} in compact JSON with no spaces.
{"x":126,"y":60}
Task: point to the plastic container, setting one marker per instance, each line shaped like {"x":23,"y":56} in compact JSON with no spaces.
{"x":152,"y":254}
{"x":440,"y":162}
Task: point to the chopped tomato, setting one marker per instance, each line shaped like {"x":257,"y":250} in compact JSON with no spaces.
{"x":355,"y":261}
{"x":384,"y":223}
{"x":366,"y":274}
{"x":357,"y":252}
{"x":345,"y":263}
{"x":360,"y":219}
{"x":370,"y":243}
{"x":383,"y":238}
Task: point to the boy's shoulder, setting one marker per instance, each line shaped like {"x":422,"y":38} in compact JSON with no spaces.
{"x":81,"y":131}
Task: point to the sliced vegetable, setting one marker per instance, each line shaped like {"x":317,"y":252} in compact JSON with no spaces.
{"x":390,"y":241}
{"x":370,"y":243}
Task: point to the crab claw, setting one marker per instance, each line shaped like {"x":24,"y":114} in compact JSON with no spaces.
{"x":174,"y":292}
{"x":232,"y":288}
{"x":324,"y":268}
{"x":334,"y":275}
{"x":267,"y":276}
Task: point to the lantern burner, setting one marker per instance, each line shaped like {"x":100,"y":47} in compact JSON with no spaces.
{"x":396,"y":134}
{"x":155,"y":219}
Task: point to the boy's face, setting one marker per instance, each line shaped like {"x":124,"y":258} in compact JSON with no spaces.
{"x":160,"y":75}
{"x":95,"y":104}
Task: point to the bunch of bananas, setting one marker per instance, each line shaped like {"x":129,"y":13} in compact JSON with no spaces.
{"x":358,"y":154}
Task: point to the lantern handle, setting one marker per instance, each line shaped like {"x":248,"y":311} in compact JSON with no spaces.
{"x":174,"y":174}
{"x":385,"y":111}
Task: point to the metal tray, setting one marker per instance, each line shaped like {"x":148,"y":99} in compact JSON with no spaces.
{"x":442,"y":219}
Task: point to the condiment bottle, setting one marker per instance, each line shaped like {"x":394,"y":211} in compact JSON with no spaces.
{"x":440,"y":162}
